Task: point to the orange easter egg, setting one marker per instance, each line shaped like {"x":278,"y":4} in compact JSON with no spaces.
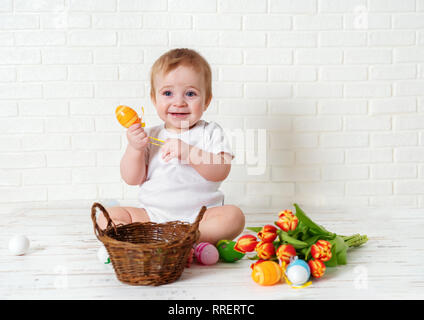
{"x":126,"y":116}
{"x":267,"y":273}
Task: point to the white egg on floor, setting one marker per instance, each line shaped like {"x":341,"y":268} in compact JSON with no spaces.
{"x":103,"y":255}
{"x":18,"y":245}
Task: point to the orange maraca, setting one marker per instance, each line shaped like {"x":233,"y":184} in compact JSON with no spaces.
{"x":127,"y":116}
{"x":267,"y":273}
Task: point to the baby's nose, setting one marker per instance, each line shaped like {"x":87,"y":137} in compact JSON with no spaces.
{"x":179,"y":101}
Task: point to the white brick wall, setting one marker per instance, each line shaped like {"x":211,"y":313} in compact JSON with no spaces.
{"x":337,"y":84}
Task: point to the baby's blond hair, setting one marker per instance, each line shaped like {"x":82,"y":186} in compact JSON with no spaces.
{"x":182,"y":56}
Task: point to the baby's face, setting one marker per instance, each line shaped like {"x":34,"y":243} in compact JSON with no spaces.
{"x":180,"y":98}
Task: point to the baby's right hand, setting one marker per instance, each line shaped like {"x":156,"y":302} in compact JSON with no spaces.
{"x":136,"y":136}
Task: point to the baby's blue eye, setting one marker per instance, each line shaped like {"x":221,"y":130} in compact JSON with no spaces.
{"x":167,"y":93}
{"x":191,"y":93}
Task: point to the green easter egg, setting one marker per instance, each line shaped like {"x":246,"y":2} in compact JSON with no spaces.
{"x":227,"y":252}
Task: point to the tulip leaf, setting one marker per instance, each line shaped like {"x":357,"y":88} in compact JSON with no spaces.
{"x":305,"y":236}
{"x":305,"y":253}
{"x":254,"y":229}
{"x":311,"y":240}
{"x":341,"y":250}
{"x":297,"y":244}
{"x":308,"y":251}
{"x":276,"y":245}
{"x":314,"y":228}
{"x":342,"y":257}
{"x":300,"y":231}
{"x":341,"y":245}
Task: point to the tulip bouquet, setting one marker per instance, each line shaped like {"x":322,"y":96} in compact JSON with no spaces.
{"x":297,"y":235}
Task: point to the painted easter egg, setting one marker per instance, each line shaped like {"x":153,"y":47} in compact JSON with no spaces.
{"x":298,"y":272}
{"x":206,"y":253}
{"x":227,"y":252}
{"x":126,"y":116}
{"x":266,"y":273}
{"x":19,"y":245}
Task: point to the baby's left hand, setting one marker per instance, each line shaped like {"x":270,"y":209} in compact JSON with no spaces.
{"x":175,"y":148}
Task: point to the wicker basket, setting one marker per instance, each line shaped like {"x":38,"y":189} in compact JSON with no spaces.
{"x":147,"y":253}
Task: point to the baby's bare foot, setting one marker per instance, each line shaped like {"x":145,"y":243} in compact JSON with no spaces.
{"x":190,"y":258}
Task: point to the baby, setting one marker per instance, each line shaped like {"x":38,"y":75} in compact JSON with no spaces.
{"x":183,"y":175}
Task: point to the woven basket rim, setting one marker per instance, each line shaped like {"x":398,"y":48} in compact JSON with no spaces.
{"x":160,"y":244}
{"x":191,"y":235}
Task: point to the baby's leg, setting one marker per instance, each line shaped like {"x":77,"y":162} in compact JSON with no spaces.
{"x":218,"y":223}
{"x":123,"y":215}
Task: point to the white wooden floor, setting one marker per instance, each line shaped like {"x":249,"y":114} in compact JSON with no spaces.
{"x":62,"y":262}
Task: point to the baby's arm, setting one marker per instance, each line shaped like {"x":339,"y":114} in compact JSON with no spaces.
{"x":211,"y":166}
{"x":133,"y":163}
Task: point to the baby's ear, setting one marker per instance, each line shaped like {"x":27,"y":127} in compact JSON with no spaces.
{"x":207,"y":103}
{"x":153,"y":98}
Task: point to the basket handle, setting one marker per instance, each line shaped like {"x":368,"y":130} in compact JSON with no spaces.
{"x":196,"y":223}
{"x":97,"y":230}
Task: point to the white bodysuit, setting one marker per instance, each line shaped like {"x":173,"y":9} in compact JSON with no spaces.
{"x":174,"y":190}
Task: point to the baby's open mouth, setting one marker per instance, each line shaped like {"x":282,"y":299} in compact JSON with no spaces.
{"x":179,"y":114}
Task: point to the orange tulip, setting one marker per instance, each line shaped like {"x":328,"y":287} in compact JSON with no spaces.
{"x":285,"y":252}
{"x":246,"y":243}
{"x":321,"y":250}
{"x":317,"y":268}
{"x":268,"y":233}
{"x":287,"y":221}
{"x":267,"y":273}
{"x":265,"y":250}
